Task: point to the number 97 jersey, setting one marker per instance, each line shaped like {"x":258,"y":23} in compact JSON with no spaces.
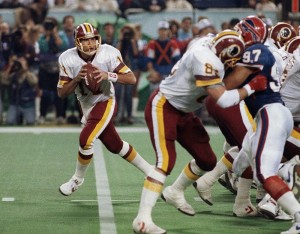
{"x":259,"y":58}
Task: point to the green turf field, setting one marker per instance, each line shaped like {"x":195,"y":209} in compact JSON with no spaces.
{"x":34,"y":162}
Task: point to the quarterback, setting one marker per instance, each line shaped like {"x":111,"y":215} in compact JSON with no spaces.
{"x":98,"y":109}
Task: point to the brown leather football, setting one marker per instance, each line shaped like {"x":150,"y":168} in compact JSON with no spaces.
{"x":91,"y":82}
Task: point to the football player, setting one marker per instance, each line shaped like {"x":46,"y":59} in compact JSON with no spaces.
{"x":170,"y":117}
{"x":234,"y":121}
{"x":99,"y":109}
{"x":263,"y":149}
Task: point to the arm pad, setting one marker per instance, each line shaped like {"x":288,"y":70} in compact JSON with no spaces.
{"x":229,"y":98}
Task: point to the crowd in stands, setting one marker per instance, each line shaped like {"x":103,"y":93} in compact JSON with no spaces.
{"x":29,"y":51}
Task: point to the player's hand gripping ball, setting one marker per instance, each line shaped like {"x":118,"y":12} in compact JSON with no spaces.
{"x":91,"y":83}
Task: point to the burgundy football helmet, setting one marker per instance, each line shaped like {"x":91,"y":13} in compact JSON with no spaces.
{"x":292,"y":44}
{"x":252,"y":29}
{"x":281,"y":32}
{"x":86,"y":31}
{"x":229,"y":46}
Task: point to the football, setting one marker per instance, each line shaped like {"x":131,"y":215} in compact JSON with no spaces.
{"x":91,"y":82}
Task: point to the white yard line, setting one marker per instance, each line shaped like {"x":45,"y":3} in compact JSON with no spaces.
{"x":38,"y":130}
{"x":106,"y":212}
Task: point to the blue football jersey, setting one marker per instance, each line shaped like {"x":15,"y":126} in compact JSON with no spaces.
{"x":260,"y":57}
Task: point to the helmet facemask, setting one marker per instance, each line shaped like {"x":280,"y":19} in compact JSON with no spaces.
{"x":87,"y":31}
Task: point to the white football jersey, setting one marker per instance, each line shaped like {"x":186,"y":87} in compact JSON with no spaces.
{"x":290,"y":90}
{"x":198,"y":68}
{"x":107,"y":59}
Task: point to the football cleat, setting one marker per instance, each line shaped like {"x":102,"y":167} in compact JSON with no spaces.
{"x":229,"y":181}
{"x":288,"y":172}
{"x":244,"y":209}
{"x":176,"y":198}
{"x":144,"y":227}
{"x":295,"y":229}
{"x":71,"y":186}
{"x":204,"y":191}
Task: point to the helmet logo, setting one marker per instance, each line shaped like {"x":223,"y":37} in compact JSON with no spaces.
{"x":248,"y":26}
{"x":285,"y":33}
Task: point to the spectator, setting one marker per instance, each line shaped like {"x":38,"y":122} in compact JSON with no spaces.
{"x":11,"y":4}
{"x":109,"y":34}
{"x":185,"y":31}
{"x":162,"y":54}
{"x":233,"y":22}
{"x":205,"y":27}
{"x":68,"y":25}
{"x":174,"y":28}
{"x":108,"y":5}
{"x":94,"y":5}
{"x":5,"y":42}
{"x":52,"y":44}
{"x":251,"y":4}
{"x":153,"y":5}
{"x":23,"y":88}
{"x":124,"y":5}
{"x":142,"y":64}
{"x":225,"y":25}
{"x":173,"y":5}
{"x":128,"y":46}
{"x":266,"y":5}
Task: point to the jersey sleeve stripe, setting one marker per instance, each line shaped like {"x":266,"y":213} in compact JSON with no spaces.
{"x":208,"y":82}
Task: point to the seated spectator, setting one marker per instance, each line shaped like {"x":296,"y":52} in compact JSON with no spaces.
{"x":251,"y":4}
{"x":173,"y":5}
{"x":34,"y":12}
{"x":11,"y":4}
{"x":93,"y":5}
{"x":266,"y":5}
{"x":23,"y":90}
{"x":153,"y":5}
{"x":108,"y":5}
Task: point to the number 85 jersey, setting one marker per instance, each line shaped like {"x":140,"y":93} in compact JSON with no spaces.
{"x":261,"y":60}
{"x":185,"y":87}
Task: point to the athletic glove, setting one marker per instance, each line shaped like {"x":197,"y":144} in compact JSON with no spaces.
{"x":258,"y":83}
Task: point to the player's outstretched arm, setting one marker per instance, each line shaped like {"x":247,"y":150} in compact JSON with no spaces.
{"x":226,"y":98}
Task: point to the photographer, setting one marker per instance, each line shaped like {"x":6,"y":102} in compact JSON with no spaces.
{"x":22,"y":91}
{"x":52,"y":44}
{"x":128,"y":47}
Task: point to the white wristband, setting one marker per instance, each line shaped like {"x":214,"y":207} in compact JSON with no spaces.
{"x":113,"y":77}
{"x":248,"y":89}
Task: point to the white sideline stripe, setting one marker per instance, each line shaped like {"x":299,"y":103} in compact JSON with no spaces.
{"x":39,"y":130}
{"x":111,"y":200}
{"x":106,"y":213}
